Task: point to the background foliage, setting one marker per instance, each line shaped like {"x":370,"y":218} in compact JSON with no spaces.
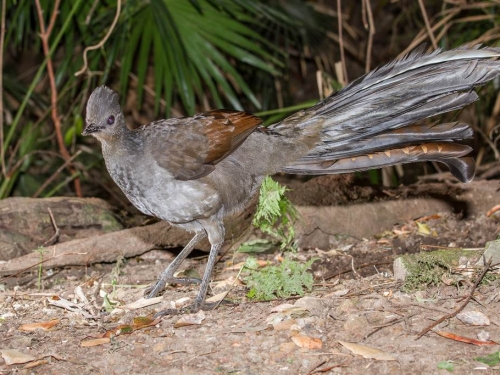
{"x":175,"y":58}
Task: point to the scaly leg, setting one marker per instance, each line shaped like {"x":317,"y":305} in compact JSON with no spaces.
{"x":215,"y":232}
{"x":167,"y":276}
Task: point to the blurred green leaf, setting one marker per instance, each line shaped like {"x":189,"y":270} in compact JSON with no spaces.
{"x":492,"y":359}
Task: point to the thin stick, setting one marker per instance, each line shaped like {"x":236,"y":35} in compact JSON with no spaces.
{"x":388,"y":324}
{"x":371,"y":33}
{"x":341,"y":42}
{"x":2,"y":38}
{"x":427,"y":24}
{"x":354,"y":268}
{"x":44,"y":35}
{"x":462,"y":306}
{"x":91,"y":12}
{"x":52,"y":240}
{"x":101,"y":43}
{"x":491,"y":211}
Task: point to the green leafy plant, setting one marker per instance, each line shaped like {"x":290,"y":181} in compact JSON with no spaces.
{"x":492,"y":359}
{"x":445,"y":365}
{"x":275,"y":213}
{"x":281,"y":281}
{"x":202,"y":39}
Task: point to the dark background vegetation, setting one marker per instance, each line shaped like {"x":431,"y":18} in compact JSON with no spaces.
{"x":179,"y":57}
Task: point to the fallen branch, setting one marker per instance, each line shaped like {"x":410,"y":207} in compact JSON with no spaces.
{"x":462,"y":306}
{"x":123,"y":243}
{"x":104,"y":248}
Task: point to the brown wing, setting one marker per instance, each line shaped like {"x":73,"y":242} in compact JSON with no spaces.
{"x":190,"y":147}
{"x":226,"y":130}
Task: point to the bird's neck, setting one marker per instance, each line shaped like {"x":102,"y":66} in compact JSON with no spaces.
{"x":126,"y":143}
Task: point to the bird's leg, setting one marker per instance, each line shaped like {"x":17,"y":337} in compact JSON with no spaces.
{"x":167,"y":276}
{"x":215,"y":232}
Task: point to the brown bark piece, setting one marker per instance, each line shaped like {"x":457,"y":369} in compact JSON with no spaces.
{"x":25,"y":222}
{"x":316,"y":228}
{"x":128,"y":243}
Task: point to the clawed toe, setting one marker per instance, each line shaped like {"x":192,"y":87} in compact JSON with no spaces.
{"x":153,"y":290}
{"x":191,"y":309}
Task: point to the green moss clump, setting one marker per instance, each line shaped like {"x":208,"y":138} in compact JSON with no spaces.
{"x":427,"y":269}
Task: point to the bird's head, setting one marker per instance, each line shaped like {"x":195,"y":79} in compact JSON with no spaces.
{"x":104,"y":115}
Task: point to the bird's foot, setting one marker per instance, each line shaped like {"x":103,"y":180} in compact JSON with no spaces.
{"x":154,"y":290}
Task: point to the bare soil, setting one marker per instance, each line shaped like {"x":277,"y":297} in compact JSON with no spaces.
{"x":354,"y":300}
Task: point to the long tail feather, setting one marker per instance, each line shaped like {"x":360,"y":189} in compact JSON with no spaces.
{"x":448,"y":153}
{"x":378,"y":111}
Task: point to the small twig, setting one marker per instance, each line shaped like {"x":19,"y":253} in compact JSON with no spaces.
{"x":419,"y":39}
{"x":487,"y":139}
{"x":371,"y":33}
{"x":44,"y":35}
{"x":91,"y":12}
{"x":319,"y":364}
{"x":462,"y":306}
{"x":329,"y":368}
{"x":52,"y":240}
{"x":101,"y":43}
{"x":388,"y":324}
{"x":427,"y":24}
{"x":341,"y":42}
{"x":492,"y":210}
{"x":2,"y":38}
{"x":427,"y":306}
{"x":354,"y":268}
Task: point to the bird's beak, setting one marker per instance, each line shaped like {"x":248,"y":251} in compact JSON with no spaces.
{"x":90,"y":128}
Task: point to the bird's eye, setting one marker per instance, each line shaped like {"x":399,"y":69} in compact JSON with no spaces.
{"x":111,"y":120}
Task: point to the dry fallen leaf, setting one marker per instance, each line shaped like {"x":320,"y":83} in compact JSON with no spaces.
{"x":430,"y":217}
{"x":467,"y":340}
{"x":95,"y":342}
{"x":139,"y":322}
{"x":226,"y":283}
{"x":368,"y":352}
{"x":36,"y":363}
{"x":474,"y":318}
{"x":423,"y":228}
{"x":143,"y":302}
{"x":282,"y":307}
{"x":286,"y":311}
{"x":307,"y":342}
{"x":181,"y":302}
{"x":190,"y":319}
{"x":45,"y":326}
{"x":12,"y":357}
{"x":217,"y":297}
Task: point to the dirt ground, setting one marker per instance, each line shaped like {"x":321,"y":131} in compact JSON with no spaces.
{"x":354,"y":300}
